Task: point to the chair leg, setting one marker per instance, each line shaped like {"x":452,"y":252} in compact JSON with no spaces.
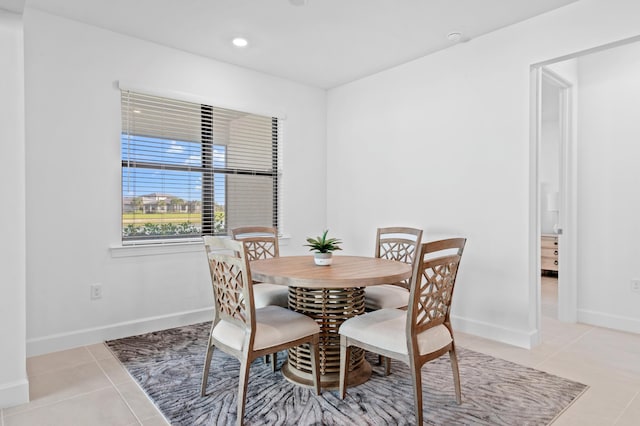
{"x":273,"y":359}
{"x":456,"y":373}
{"x":387,"y":363}
{"x":315,"y":365}
{"x":416,"y":378}
{"x":207,"y":364}
{"x":345,"y":357}
{"x":245,"y":365}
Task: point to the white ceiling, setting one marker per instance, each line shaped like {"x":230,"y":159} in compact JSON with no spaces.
{"x":323,"y":43}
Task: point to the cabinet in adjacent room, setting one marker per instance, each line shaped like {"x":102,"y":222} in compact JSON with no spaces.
{"x":549,"y":251}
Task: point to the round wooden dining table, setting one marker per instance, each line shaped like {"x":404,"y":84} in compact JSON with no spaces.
{"x":330,"y":295}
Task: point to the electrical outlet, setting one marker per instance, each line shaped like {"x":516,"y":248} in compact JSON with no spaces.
{"x":96,"y":291}
{"x":635,"y":285}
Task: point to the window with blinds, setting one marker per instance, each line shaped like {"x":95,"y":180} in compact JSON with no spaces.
{"x":190,"y":169}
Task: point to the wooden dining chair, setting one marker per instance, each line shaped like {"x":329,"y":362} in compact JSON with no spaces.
{"x":261,"y":242}
{"x":422,"y":332}
{"x":244,"y":331}
{"x":393,"y":243}
{"x":400,"y":244}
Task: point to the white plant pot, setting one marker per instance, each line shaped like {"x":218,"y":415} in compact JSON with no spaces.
{"x":323,"y":259}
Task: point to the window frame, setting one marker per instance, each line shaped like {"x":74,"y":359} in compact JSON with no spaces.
{"x":207,"y":171}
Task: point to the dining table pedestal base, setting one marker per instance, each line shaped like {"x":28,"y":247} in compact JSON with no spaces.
{"x":330,"y":295}
{"x":329,"y":307}
{"x":327,"y":381}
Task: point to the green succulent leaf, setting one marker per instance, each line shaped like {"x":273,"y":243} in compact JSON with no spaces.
{"x":323,"y":245}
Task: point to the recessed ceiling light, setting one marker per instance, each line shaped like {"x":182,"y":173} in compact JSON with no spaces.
{"x":454,"y":36}
{"x":240,"y":42}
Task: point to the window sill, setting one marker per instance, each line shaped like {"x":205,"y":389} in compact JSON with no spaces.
{"x":283,"y":240}
{"x":153,"y":249}
{"x":160,"y":248}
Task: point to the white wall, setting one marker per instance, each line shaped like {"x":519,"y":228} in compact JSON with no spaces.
{"x":439,"y":143}
{"x":73,"y":179}
{"x":609,"y":182}
{"x":442,"y":143}
{"x":550,"y":139}
{"x":14,"y":387}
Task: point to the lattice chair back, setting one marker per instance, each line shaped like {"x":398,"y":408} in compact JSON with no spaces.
{"x":398,"y":243}
{"x":230,"y":274}
{"x":261,"y":242}
{"x":234,"y":329}
{"x":432,"y":284}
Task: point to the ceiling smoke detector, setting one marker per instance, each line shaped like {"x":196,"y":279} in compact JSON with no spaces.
{"x":454,"y":36}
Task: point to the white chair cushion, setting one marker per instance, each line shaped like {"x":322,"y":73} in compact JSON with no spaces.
{"x":274,"y":326}
{"x":265,"y":294}
{"x":385,"y":329}
{"x":385,"y":296}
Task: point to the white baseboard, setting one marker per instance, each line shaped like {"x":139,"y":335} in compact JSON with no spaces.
{"x":510,"y":336}
{"x":89,"y":336}
{"x":14,"y":393}
{"x":606,"y":320}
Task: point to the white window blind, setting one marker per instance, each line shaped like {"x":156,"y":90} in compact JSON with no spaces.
{"x":191,"y":169}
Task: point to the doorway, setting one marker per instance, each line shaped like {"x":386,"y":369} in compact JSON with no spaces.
{"x":555,"y":194}
{"x":606,"y":77}
{"x":554,"y":134}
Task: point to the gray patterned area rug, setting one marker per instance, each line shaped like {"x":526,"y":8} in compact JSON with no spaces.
{"x":168,"y":366}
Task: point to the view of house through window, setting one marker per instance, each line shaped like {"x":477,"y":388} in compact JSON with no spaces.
{"x":191,"y":169}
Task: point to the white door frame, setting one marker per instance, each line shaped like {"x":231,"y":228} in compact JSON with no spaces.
{"x":567,"y":220}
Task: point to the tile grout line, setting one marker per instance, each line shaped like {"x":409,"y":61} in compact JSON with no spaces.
{"x":58,"y":369}
{"x":563,"y":347}
{"x":135,"y":382}
{"x":113,"y":385}
{"x":52,"y":403}
{"x":566,"y":345}
{"x":624,"y":410}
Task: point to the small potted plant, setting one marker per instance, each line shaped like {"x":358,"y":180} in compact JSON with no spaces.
{"x":323,"y":248}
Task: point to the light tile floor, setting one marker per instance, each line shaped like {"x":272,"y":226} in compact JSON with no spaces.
{"x":87,"y":385}
{"x":606,"y":360}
